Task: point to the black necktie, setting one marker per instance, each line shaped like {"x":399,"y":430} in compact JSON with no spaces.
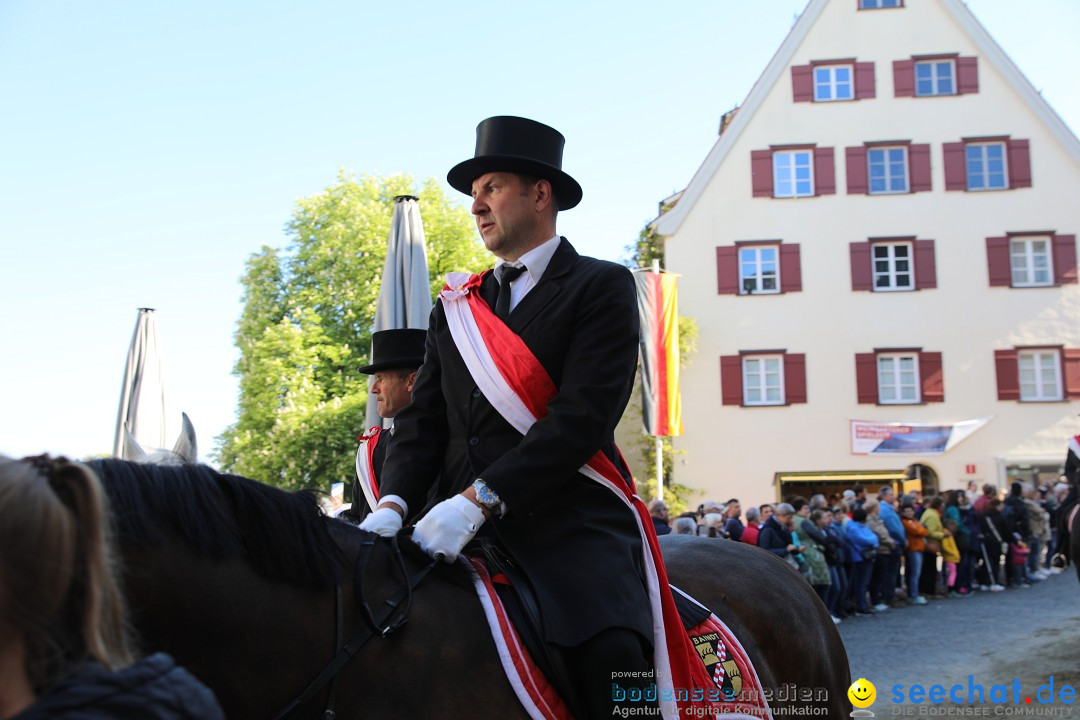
{"x":507,"y":274}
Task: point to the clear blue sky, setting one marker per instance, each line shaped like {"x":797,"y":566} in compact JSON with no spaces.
{"x":148,"y":148}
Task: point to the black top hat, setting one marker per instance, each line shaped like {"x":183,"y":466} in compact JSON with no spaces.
{"x":392,"y":349}
{"x":514,"y":144}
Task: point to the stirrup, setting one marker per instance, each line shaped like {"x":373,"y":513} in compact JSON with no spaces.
{"x":1059,"y":561}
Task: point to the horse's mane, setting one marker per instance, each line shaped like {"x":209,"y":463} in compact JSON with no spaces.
{"x":282,"y":535}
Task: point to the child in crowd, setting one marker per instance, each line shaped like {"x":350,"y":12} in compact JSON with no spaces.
{"x":950,"y":554}
{"x":1018,"y":556}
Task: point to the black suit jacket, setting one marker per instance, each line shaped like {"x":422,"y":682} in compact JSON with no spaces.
{"x":578,"y":543}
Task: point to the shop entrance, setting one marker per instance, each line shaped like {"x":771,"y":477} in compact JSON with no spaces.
{"x":920,"y":477}
{"x":832,"y":484}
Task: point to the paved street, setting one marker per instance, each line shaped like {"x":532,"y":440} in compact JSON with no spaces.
{"x":995,"y":637}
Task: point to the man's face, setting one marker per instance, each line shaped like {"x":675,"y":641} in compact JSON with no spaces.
{"x":766,"y":512}
{"x":393,"y":391}
{"x":887,"y":496}
{"x":734,"y":510}
{"x":661,"y":512}
{"x":505,"y":214}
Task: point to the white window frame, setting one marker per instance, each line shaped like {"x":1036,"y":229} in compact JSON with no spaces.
{"x":1023,"y":261}
{"x":759,"y":276}
{"x":794,"y":163}
{"x":985,"y":175}
{"x":887,"y":164}
{"x":832,"y":84}
{"x":1037,"y":388}
{"x":936,"y":77}
{"x":758,"y":379}
{"x":892,"y":272}
{"x":895,"y":375}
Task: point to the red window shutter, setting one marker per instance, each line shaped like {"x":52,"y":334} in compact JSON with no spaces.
{"x":997,"y":260}
{"x":932,"y":377}
{"x":1019,"y":164}
{"x":1065,"y":260}
{"x":865,"y":85}
{"x":855,"y":159}
{"x":824,"y":172}
{"x":955,"y":166}
{"x":794,"y":378}
{"x":903,"y":73}
{"x":761,"y":170}
{"x":1071,"y":373}
{"x":866,"y":378}
{"x":919,"y":162}
{"x":967,"y":75}
{"x":731,"y":390}
{"x":862,"y":277}
{"x":727,"y":270}
{"x":802,"y":83}
{"x":1008,"y":374}
{"x":925,"y":265}
{"x":790,"y":268}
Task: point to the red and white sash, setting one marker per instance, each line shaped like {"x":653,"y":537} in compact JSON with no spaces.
{"x":365,"y":470}
{"x":518,"y":387}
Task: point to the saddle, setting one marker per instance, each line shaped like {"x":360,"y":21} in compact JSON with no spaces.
{"x":539,"y":673}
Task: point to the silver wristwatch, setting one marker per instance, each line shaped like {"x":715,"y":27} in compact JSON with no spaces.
{"x":488,"y":497}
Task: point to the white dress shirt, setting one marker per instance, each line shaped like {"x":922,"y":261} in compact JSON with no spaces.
{"x":536,"y":262}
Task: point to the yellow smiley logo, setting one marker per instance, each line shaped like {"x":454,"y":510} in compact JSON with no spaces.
{"x":862,"y":693}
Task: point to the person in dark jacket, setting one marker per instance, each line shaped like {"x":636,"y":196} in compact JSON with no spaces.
{"x":64,"y":647}
{"x":836,"y":556}
{"x":733,"y":527}
{"x":155,"y":688}
{"x":658,"y":510}
{"x":1015,"y":512}
{"x":396,"y":356}
{"x":774,"y":535}
{"x":995,"y":535}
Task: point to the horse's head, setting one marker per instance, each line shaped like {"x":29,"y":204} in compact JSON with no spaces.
{"x":184,"y":451}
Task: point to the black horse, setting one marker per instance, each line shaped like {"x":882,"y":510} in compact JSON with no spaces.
{"x":237,"y":580}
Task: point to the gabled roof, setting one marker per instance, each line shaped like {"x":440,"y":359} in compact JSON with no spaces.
{"x":668,"y":223}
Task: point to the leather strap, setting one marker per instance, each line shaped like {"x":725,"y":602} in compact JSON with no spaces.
{"x":373,"y":625}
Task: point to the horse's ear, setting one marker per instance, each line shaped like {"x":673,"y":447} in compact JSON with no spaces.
{"x":186,"y":448}
{"x":132,"y":450}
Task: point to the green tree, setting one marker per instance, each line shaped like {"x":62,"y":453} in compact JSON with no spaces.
{"x":648,"y":247}
{"x":306,"y":323}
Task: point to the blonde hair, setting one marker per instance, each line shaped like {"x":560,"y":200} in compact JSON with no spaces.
{"x":58,"y":576}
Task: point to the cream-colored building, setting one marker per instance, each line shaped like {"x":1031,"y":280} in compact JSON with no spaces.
{"x":880,"y":254}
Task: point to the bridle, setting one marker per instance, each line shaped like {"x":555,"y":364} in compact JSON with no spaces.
{"x":382,"y":626}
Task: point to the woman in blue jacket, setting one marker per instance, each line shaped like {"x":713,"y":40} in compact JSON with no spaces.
{"x":862,"y":545}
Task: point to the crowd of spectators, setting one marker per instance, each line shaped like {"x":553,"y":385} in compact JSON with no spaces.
{"x":866,"y":554}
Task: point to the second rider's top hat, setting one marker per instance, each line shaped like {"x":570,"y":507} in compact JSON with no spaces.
{"x":393,"y":349}
{"x":513,"y":144}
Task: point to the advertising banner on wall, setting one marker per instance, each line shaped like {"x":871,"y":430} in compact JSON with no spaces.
{"x":878,"y":438}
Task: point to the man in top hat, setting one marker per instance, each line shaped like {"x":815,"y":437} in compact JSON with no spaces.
{"x":518,"y":483}
{"x":396,"y":355}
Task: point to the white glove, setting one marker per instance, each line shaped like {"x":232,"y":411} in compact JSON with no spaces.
{"x":385,"y":521}
{"x":447,"y":527}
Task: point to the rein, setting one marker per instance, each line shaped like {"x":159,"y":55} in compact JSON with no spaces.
{"x":382,"y":626}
